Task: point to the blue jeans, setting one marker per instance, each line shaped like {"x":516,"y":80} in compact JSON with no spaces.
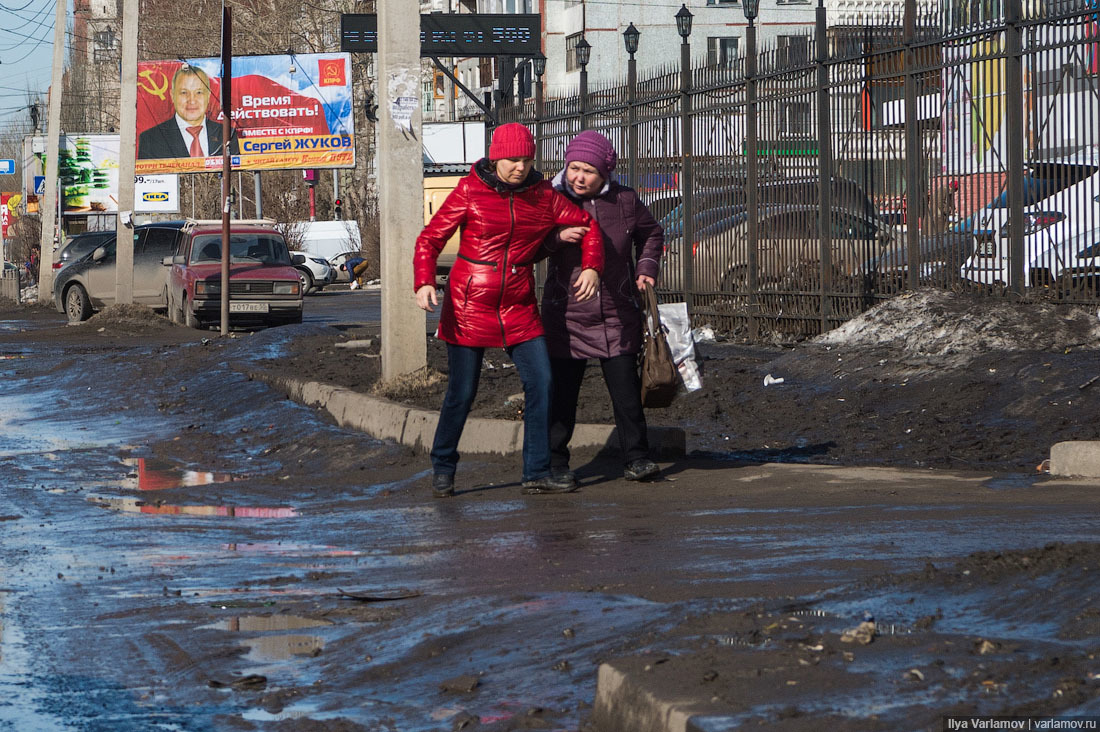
{"x":464,"y":366}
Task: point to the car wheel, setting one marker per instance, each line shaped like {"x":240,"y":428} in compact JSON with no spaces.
{"x":77,"y":307}
{"x":307,"y":281}
{"x":189,"y":316}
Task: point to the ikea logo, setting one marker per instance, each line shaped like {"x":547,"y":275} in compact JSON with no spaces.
{"x":154,"y":197}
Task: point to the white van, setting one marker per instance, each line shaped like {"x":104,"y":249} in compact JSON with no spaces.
{"x":325,"y":239}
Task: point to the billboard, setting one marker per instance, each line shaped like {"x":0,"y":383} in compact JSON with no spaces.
{"x":87,"y":170}
{"x":292,"y":111}
{"x":9,"y":211}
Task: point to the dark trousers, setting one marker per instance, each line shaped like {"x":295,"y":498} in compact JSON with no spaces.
{"x":624,"y":385}
{"x":464,"y":373}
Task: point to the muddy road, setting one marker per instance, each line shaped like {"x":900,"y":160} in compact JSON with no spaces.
{"x":181,"y":548}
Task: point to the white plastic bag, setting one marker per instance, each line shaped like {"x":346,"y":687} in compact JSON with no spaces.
{"x":674,"y":316}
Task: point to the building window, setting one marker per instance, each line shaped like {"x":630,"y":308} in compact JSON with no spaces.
{"x":792,"y":50}
{"x":571,"y":51}
{"x":105,"y":39}
{"x":485,"y":71}
{"x":732,"y":3}
{"x":795,"y":119}
{"x":721,"y":51}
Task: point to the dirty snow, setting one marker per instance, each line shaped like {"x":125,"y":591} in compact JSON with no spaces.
{"x":938,"y":322}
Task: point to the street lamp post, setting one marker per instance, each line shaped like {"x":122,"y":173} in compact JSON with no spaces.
{"x":630,"y":38}
{"x":687,"y":229}
{"x":539,"y":64}
{"x":584,"y":54}
{"x":752,"y":147}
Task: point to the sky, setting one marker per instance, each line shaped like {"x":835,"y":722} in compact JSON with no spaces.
{"x":26,"y":52}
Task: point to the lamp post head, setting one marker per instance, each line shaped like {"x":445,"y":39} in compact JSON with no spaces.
{"x":584,"y":51}
{"x":539,"y":62}
{"x":683,"y":22}
{"x":630,"y":37}
{"x":751,"y":7}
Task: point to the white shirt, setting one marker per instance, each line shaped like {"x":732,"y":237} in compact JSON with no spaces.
{"x":204,"y":143}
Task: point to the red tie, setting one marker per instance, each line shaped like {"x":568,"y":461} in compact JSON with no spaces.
{"x":196,"y":148}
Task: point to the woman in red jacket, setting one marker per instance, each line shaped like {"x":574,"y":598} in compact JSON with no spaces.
{"x":505,"y":209}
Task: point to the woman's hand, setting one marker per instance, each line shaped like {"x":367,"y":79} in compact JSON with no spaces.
{"x":426,"y":298}
{"x":572,"y":234}
{"x":645,"y":281}
{"x":588,"y":283}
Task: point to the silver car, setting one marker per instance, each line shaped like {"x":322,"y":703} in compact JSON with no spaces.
{"x":88,"y":284}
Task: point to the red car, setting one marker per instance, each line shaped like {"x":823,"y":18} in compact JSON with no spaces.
{"x":264,"y":287}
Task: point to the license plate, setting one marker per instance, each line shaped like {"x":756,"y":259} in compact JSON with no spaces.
{"x":987,"y":249}
{"x":248,"y":307}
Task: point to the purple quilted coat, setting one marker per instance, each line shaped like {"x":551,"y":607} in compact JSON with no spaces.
{"x":610,"y":324}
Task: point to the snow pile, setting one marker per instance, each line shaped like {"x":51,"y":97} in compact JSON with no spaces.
{"x":938,"y":322}
{"x":120,"y":314}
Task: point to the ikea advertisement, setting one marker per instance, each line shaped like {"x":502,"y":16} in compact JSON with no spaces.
{"x":289,"y":111}
{"x":87,"y":170}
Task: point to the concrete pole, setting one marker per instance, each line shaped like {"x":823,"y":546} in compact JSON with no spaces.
{"x":47,"y":207}
{"x":127,"y":125}
{"x":401,"y":185}
{"x":259,"y":194}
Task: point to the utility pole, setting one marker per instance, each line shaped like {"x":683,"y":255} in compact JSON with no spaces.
{"x":127,"y":125}
{"x":401,"y":194}
{"x":48,"y":206}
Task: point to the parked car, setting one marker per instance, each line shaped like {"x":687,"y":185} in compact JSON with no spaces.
{"x":337,"y":263}
{"x":88,"y":283}
{"x":77,"y":245}
{"x":314,"y":272}
{"x":1050,"y":229}
{"x":788,"y":242}
{"x":264,"y":286}
{"x":1073,"y":264}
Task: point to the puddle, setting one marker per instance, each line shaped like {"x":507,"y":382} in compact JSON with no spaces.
{"x":1013,"y":481}
{"x":157,"y":475}
{"x":135,"y":505}
{"x":283,"y":647}
{"x":303,"y":710}
{"x":265,"y":623}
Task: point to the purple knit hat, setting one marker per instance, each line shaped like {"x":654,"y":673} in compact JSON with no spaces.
{"x":593,"y":148}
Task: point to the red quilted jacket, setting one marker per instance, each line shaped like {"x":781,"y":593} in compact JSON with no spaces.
{"x":491,"y":292}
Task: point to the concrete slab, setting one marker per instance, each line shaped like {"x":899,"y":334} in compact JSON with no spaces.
{"x":625,"y":704}
{"x":1077,"y":458}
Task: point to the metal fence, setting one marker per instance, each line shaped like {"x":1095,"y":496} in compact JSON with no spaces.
{"x":955,"y":146}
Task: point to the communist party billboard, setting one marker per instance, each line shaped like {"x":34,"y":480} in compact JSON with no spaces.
{"x":291,"y":111}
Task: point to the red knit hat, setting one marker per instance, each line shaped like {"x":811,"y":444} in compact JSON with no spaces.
{"x":512,"y":140}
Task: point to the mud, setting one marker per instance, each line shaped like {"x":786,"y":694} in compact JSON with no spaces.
{"x":179,"y":542}
{"x":937,"y":379}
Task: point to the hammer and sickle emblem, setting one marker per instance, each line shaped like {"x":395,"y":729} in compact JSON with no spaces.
{"x":152,"y":88}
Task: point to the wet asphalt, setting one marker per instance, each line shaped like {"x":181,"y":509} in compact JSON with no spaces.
{"x":180,"y":548}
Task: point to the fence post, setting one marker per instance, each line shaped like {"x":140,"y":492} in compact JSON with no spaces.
{"x":1014,"y":126}
{"x":688,"y":228}
{"x":825,"y":166}
{"x":752,"y":149}
{"x":631,"y":112}
{"x":914,"y":191}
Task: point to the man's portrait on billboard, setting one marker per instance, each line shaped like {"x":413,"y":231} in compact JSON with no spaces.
{"x":188,"y":133}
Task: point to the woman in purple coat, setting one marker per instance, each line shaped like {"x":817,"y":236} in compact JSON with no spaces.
{"x":609,"y":326}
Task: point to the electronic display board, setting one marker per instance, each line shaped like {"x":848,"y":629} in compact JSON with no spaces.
{"x":448,"y":34}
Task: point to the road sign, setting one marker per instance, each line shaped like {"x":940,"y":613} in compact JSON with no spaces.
{"x":7,"y":166}
{"x":39,"y":185}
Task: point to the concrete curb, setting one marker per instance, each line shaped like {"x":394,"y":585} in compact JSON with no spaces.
{"x":624,"y":704}
{"x":1077,"y":458}
{"x":415,"y":428}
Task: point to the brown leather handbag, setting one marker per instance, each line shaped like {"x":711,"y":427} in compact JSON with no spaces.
{"x":660,"y":377}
